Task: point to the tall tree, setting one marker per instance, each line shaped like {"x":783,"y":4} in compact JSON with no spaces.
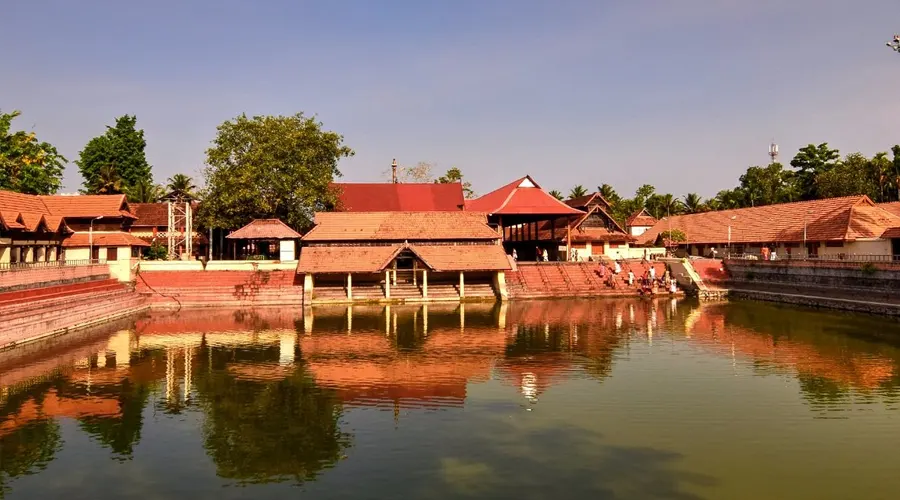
{"x":144,"y":192}
{"x":107,"y":181}
{"x":768,"y":185}
{"x":810,"y":162}
{"x":895,"y":173}
{"x":880,"y":168}
{"x":577,"y":191}
{"x":852,"y":176}
{"x":121,"y":148}
{"x":455,"y":175}
{"x":608,"y":193}
{"x":556,"y":194}
{"x":270,"y":167}
{"x":693,"y":203}
{"x":26,"y":164}
{"x":182,"y":183}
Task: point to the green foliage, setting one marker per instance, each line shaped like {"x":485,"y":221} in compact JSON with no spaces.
{"x":853,"y":176}
{"x":121,"y":149}
{"x":765,"y":186}
{"x":455,"y":175}
{"x":26,"y":164}
{"x":693,"y":204}
{"x":144,"y":192}
{"x":182,"y":184}
{"x":556,"y":194}
{"x":810,"y":162}
{"x":868,"y":268}
{"x":663,"y":205}
{"x":671,"y":238}
{"x":27,"y":448}
{"x":270,"y":167}
{"x":107,"y":181}
{"x":156,"y":251}
{"x":609,"y":193}
{"x":577,"y":192}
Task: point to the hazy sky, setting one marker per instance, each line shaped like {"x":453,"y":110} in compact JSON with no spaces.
{"x":682,"y":94}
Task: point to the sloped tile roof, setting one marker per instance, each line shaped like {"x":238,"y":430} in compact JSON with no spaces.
{"x":120,"y":239}
{"x":264,"y":229}
{"x":400,"y":226}
{"x":371,"y":259}
{"x":520,"y":197}
{"x":641,"y":218}
{"x":390,"y":197}
{"x":156,"y":214}
{"x":462,"y":257}
{"x":833,"y":219}
{"x":33,"y":221}
{"x":579,"y":233}
{"x":345,"y":259}
{"x":87,"y":205}
{"x":10,"y":220}
{"x":892,"y":207}
{"x":584,"y":201}
{"x":18,"y":202}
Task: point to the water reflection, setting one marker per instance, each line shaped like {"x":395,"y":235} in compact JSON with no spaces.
{"x":272,"y":389}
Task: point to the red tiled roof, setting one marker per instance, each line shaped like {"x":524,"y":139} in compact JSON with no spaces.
{"x":520,"y":197}
{"x":349,"y":259}
{"x":462,"y":257}
{"x":264,"y":229}
{"x":833,"y":219}
{"x":641,"y":219}
{"x":891,"y":233}
{"x":9,"y":219}
{"x":150,"y":214}
{"x":583,"y":201}
{"x":892,"y":207}
{"x":120,"y":239}
{"x":372,"y":259}
{"x":579,"y":233}
{"x":87,"y":205}
{"x":400,"y":226}
{"x":33,"y":221}
{"x":390,"y":197}
{"x":18,"y":202}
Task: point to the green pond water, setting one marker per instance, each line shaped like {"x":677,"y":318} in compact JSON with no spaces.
{"x":530,"y":400}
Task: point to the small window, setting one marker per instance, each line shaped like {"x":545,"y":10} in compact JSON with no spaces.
{"x":112,"y":254}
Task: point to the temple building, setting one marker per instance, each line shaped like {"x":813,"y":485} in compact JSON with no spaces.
{"x":67,"y":228}
{"x":528,"y":219}
{"x":402,"y":256}
{"x":595,"y":234}
{"x":640,"y":222}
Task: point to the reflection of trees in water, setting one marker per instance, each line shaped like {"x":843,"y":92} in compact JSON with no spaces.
{"x":28,"y":449}
{"x":537,"y":339}
{"x":266,"y":430}
{"x":120,"y":433}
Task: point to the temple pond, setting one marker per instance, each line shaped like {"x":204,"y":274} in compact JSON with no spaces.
{"x":555,"y":399}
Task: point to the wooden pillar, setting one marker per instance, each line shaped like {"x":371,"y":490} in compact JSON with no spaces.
{"x":415,"y":278}
{"x":462,"y":285}
{"x":568,"y":240}
{"x":349,"y":286}
{"x":425,"y":283}
{"x":387,"y":284}
{"x":500,"y":227}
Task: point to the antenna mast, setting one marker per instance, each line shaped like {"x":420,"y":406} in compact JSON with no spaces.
{"x":773,"y":152}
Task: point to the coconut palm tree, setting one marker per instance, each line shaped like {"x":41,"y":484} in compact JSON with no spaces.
{"x":693,"y":203}
{"x":144,"y":192}
{"x":669,"y":205}
{"x":577,"y":192}
{"x":608,"y":193}
{"x":556,"y":194}
{"x":182,"y":184}
{"x":108,"y":181}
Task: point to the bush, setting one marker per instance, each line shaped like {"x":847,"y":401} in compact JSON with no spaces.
{"x":868,"y":268}
{"x":156,"y":252}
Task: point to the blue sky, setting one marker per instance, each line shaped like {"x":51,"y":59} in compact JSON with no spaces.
{"x":680,"y":94}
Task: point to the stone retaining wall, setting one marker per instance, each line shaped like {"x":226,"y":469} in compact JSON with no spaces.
{"x":875,"y":277}
{"x":22,"y":279}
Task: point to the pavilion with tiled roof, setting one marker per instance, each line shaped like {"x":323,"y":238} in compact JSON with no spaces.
{"x":596,"y":233}
{"x":851,"y":225}
{"x":261,"y":236}
{"x":519,"y":209}
{"x":393,"y":255}
{"x":397,"y":197}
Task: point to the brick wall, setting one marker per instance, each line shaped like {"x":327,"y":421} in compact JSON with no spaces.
{"x":36,"y":278}
{"x":173,"y":289}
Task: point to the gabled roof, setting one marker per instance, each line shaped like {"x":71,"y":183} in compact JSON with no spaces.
{"x":584,"y":201}
{"x":641,"y":218}
{"x":373,"y":259}
{"x":264,"y":229}
{"x":520,"y":197}
{"x":391,"y":197}
{"x":585,"y":234}
{"x":892,"y":207}
{"x":834,"y":219}
{"x":400,"y":226}
{"x":87,"y":205}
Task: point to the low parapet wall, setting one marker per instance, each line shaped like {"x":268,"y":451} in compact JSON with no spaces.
{"x":219,"y":288}
{"x":874,"y":277}
{"x":21,"y":279}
